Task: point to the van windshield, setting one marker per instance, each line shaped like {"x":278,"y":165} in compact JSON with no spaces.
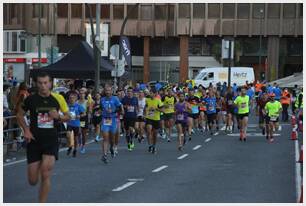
{"x":200,"y":76}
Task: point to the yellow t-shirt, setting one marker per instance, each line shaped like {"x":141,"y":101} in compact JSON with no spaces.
{"x":272,"y":108}
{"x":61,"y":101}
{"x":152,"y":106}
{"x":242,"y":104}
{"x":168,"y":103}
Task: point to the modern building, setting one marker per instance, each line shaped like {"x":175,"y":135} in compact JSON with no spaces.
{"x":168,"y":41}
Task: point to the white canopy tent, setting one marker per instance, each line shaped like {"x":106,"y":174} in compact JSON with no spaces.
{"x":290,"y":81}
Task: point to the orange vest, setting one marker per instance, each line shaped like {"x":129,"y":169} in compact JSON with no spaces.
{"x":285,"y":99}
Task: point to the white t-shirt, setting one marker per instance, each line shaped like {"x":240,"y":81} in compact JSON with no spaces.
{"x":141,"y":106}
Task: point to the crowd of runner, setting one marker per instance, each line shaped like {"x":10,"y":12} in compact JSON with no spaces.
{"x":144,"y":113}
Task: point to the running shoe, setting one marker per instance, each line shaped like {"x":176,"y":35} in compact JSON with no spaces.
{"x":150,"y":149}
{"x":74,"y":153}
{"x":153,"y":150}
{"x":263,"y":131}
{"x":97,"y":139}
{"x":180,"y":148}
{"x":168,"y":139}
{"x":129,"y":147}
{"x":111,"y":149}
{"x":271,"y":140}
{"x":132,"y":145}
{"x":82,"y":150}
{"x":104,"y":159}
{"x":116,"y":151}
{"x":69,"y":150}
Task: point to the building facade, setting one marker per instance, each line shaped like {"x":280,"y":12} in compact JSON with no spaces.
{"x":170,"y":41}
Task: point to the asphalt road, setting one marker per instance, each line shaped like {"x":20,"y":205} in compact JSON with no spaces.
{"x":211,"y":169}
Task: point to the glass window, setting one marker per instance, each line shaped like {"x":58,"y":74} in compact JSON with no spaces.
{"x":105,"y":11}
{"x":146,"y":12}
{"x":35,"y":12}
{"x":301,"y":10}
{"x":22,"y":45}
{"x":118,"y":11}
{"x":5,"y":12}
{"x":295,"y":46}
{"x":228,"y":11}
{"x":160,"y":12}
{"x":171,"y":12}
{"x":258,"y":11}
{"x":213,"y":11}
{"x":76,"y":10}
{"x":134,"y":14}
{"x":92,"y":9}
{"x":273,"y":11}
{"x":14,"y":41}
{"x":13,"y":10}
{"x":250,"y":47}
{"x":184,"y":10}
{"x":62,"y":10}
{"x":243,"y":11}
{"x":199,"y":11}
{"x":289,"y":10}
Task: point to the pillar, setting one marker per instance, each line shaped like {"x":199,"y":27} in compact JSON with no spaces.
{"x":146,"y":58}
{"x":273,"y":58}
{"x":183,"y":58}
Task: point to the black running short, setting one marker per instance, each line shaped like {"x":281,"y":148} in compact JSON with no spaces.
{"x":36,"y":150}
{"x":268,"y":120}
{"x":194,"y":116}
{"x":129,"y":122}
{"x":241,"y":116}
{"x":96,"y":120}
{"x":211,"y":118}
{"x":183,"y":123}
{"x":168,"y":116}
{"x":84,"y":122}
{"x":76,"y":130}
{"x":140,"y":119}
{"x":154,"y":123}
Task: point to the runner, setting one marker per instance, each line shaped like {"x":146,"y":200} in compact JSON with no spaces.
{"x":181,"y":120}
{"x":152,"y":112}
{"x":96,"y":118}
{"x":140,"y":122}
{"x":87,"y":105}
{"x":109,"y":106}
{"x":168,"y":101}
{"x":162,"y":132}
{"x":41,"y":134}
{"x":76,"y":111}
{"x":272,"y":111}
{"x":242,"y":103}
{"x":263,"y":98}
{"x":203,"y":109}
{"x":130,"y":104}
{"x":194,"y":112}
{"x":230,"y":113}
{"x":211,"y":112}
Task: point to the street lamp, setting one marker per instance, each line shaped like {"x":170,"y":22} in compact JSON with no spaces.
{"x":260,"y":39}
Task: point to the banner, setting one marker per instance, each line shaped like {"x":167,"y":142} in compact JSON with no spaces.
{"x":126,"y":50}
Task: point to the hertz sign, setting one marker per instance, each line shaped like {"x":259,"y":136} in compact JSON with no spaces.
{"x":240,"y":74}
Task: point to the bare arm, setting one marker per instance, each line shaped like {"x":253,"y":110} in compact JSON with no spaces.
{"x":21,"y":122}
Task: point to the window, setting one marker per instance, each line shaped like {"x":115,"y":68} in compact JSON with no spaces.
{"x":210,"y":76}
{"x":274,"y":11}
{"x":171,"y":12}
{"x":258,"y":11}
{"x":289,"y":10}
{"x":5,"y":12}
{"x":228,"y":11}
{"x":118,"y":11}
{"x":199,"y":11}
{"x":243,"y":11}
{"x":213,"y":11}
{"x":76,"y":10}
{"x":62,"y":10}
{"x":146,"y":12}
{"x":301,"y":10}
{"x":184,"y":10}
{"x":92,"y":9}
{"x":13,"y":10}
{"x":160,"y":12}
{"x":134,"y":13}
{"x":105,"y":11}
{"x":35,"y":13}
{"x":12,"y":42}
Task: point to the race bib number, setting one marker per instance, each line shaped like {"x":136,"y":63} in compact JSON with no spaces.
{"x":107,"y":122}
{"x":151,"y":112}
{"x":44,"y":122}
{"x":243,"y":105}
{"x":130,"y":108}
{"x":180,"y":117}
{"x":273,"y":118}
{"x":211,"y":108}
{"x":72,"y":115}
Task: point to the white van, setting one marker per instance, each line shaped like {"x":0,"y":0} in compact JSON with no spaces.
{"x":239,"y":75}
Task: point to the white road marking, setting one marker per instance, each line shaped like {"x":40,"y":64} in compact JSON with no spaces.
{"x":160,"y":168}
{"x":215,"y":134}
{"x":197,"y":147}
{"x":208,"y":139}
{"x":223,"y":128}
{"x":135,"y":179}
{"x":23,"y":160}
{"x":126,"y":185}
{"x":182,"y":156}
{"x":297,"y":172}
{"x":250,"y":134}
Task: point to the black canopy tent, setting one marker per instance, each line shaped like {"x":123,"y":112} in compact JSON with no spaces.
{"x":79,"y":63}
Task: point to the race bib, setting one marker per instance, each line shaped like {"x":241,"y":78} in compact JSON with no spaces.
{"x":211,"y":108}
{"x":82,"y":123}
{"x":195,"y":109}
{"x":180,"y":117}
{"x":151,"y":112}
{"x":72,"y":115}
{"x":243,"y":105}
{"x":107,"y":122}
{"x":273,"y":118}
{"x":44,"y":122}
{"x":130,"y":108}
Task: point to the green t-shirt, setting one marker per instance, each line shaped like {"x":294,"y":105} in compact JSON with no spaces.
{"x":242,"y":104}
{"x":152,"y":106}
{"x":272,"y":108}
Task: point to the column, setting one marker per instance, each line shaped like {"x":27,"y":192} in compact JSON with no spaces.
{"x":183,"y":58}
{"x":273,"y":58}
{"x":146,"y":58}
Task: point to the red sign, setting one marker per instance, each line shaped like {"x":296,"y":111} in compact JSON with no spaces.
{"x":42,"y":60}
{"x":14,"y":60}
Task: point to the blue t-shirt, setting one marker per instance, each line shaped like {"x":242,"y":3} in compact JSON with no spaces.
{"x":211,"y":104}
{"x":235,"y":88}
{"x":158,"y":86}
{"x":130,"y":107}
{"x":109,"y":106}
{"x":142,"y":86}
{"x":250,"y":93}
{"x":75,"y":110}
{"x":270,"y":89}
{"x":277,"y":93}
